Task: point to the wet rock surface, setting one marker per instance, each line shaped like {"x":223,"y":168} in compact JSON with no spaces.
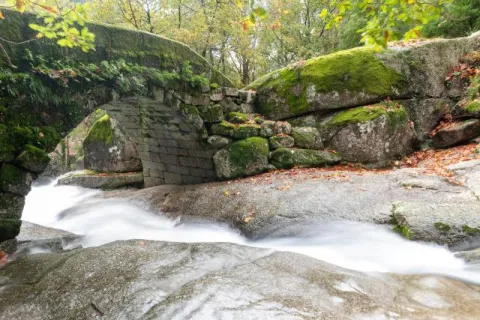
{"x":264,"y":205}
{"x":88,"y":179}
{"x":157,"y":280}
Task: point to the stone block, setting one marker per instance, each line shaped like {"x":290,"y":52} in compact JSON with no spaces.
{"x":173,"y":178}
{"x":230,"y":92}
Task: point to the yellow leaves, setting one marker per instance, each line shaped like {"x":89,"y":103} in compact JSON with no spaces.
{"x":20,"y":5}
{"x":1,"y":15}
{"x":323,"y":14}
{"x":411,"y":1}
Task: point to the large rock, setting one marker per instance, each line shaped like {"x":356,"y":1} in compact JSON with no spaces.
{"x":457,"y":132}
{"x":68,"y":154}
{"x":372,"y":134}
{"x":360,"y":76}
{"x":92,"y":180}
{"x":242,"y":158}
{"x":108,"y":149}
{"x":285,"y":158}
{"x":158,"y":280}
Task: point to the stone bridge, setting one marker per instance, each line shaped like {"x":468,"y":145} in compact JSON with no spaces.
{"x":170,"y":130}
{"x":191,"y":126}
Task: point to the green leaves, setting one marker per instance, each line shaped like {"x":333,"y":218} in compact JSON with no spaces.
{"x":67,"y":26}
{"x":388,"y":20}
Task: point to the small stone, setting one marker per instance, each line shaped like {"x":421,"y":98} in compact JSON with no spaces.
{"x":281,"y":141}
{"x":237,"y":117}
{"x":230,"y":106}
{"x":182,"y":96}
{"x":259,"y":120}
{"x":285,"y":158}
{"x":216,"y":97}
{"x":244,"y":131}
{"x":307,"y":138}
{"x":282,"y":127}
{"x":33,"y":159}
{"x":203,"y":100}
{"x":456,"y":133}
{"x":223,"y":128}
{"x":212,"y":114}
{"x":205,"y":89}
{"x":218,"y":141}
{"x":267,"y":129}
{"x":247,"y":108}
{"x":230,"y":92}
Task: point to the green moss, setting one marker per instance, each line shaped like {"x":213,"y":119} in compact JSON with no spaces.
{"x":9,"y":228}
{"x":355,"y":70}
{"x":281,"y":141}
{"x":101,"y":131}
{"x":7,"y":149}
{"x":396,"y":115}
{"x":33,"y":159}
{"x":244,"y":152}
{"x":237,"y":117}
{"x":473,"y":107}
{"x":244,"y":131}
{"x":443,"y":227}
{"x":212,"y":114}
{"x":223,"y":128}
{"x":471,"y":231}
{"x":402,"y":230}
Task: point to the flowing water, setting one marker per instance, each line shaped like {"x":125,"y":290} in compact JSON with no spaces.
{"x":356,"y":246}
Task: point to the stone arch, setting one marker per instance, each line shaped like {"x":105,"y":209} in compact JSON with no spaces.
{"x":170,"y":136}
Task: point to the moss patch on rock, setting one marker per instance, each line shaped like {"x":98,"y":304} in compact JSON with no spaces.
{"x":307,"y":137}
{"x":101,"y":131}
{"x":281,"y":141}
{"x":237,"y":117}
{"x":473,"y":107}
{"x":32,"y":159}
{"x":471,"y":231}
{"x":443,"y":227}
{"x":212,"y":114}
{"x":223,"y":128}
{"x":244,"y":131}
{"x":286,"y":158}
{"x":357,"y":70}
{"x":396,"y":115}
{"x":242,"y":158}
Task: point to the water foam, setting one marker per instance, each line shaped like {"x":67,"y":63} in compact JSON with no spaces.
{"x":357,"y":246}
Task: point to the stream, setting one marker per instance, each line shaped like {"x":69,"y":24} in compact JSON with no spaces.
{"x":356,"y":246}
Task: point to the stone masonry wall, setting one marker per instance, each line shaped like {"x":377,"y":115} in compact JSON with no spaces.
{"x":171,"y":131}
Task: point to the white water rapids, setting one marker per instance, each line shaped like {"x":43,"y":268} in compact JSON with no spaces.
{"x":356,"y":246}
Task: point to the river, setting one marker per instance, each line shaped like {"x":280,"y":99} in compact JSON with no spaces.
{"x":356,"y":246}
